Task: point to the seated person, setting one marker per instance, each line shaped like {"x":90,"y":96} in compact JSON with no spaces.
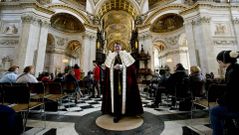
{"x":228,"y":107}
{"x":11,"y":75}
{"x":196,"y":81}
{"x":27,"y":75}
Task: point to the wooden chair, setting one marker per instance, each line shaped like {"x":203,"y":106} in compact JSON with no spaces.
{"x":70,"y":88}
{"x":18,"y":98}
{"x":214,"y":92}
{"x":53,"y":91}
{"x":37,"y":91}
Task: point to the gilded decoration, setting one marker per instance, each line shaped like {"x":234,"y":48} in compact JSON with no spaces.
{"x":81,"y":2}
{"x":73,"y":48}
{"x":67,"y":23}
{"x":117,"y":5}
{"x":156,"y":3}
{"x":167,"y":23}
{"x":117,"y":27}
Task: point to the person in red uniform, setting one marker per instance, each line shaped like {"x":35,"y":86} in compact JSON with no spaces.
{"x":96,"y":73}
{"x":77,"y":72}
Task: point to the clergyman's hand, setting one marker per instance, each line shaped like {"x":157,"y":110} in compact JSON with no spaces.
{"x":118,"y":67}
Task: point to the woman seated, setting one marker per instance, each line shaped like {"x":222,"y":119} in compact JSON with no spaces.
{"x":27,"y":75}
{"x":228,"y":107}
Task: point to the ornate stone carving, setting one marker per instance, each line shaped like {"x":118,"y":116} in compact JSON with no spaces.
{"x":8,"y":43}
{"x":31,"y":19}
{"x":61,"y":41}
{"x":220,"y":29}
{"x":224,"y":42}
{"x":6,"y":62}
{"x":204,"y":19}
{"x":139,"y":19}
{"x":10,"y":29}
{"x":172,"y":40}
{"x":172,"y":52}
{"x":236,"y":20}
{"x":27,"y":18}
{"x":45,"y":23}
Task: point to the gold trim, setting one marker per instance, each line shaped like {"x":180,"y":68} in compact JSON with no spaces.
{"x":69,"y":8}
{"x":163,"y":9}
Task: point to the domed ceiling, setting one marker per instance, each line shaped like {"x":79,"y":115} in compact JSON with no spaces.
{"x":117,"y":26}
{"x":118,"y":22}
{"x":67,"y":23}
{"x":167,"y":23}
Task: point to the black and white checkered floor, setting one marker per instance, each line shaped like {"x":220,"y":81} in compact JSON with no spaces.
{"x":68,"y":108}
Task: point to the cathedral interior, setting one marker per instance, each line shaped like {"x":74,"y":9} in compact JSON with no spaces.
{"x":53,"y":34}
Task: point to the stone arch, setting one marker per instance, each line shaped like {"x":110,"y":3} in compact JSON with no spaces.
{"x":167,"y":23}
{"x":158,"y":47}
{"x":67,"y":23}
{"x":79,"y":14}
{"x":174,"y":8}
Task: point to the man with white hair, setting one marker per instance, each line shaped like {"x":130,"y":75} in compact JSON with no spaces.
{"x":121,"y":94}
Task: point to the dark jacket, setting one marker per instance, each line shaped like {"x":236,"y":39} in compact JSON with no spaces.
{"x":231,"y":95}
{"x":196,"y":84}
{"x":177,"y":83}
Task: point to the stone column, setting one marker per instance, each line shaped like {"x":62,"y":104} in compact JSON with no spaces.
{"x":189,"y":30}
{"x":88,"y":52}
{"x":205,"y":45}
{"x":28,"y":40}
{"x":236,"y":24}
{"x":41,"y":50}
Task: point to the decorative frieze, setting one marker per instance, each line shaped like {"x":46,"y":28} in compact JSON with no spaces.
{"x":198,"y":21}
{"x":172,"y":52}
{"x":224,"y":42}
{"x":8,"y":43}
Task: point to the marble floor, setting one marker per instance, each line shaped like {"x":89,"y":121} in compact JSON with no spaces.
{"x":79,"y":119}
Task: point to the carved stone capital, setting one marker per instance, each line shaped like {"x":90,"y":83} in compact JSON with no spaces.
{"x":27,"y":18}
{"x":145,"y":35}
{"x":204,"y":19}
{"x":46,"y":23}
{"x":89,"y":35}
{"x":30,"y":19}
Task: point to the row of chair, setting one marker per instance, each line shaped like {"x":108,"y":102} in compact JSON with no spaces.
{"x":22,"y":97}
